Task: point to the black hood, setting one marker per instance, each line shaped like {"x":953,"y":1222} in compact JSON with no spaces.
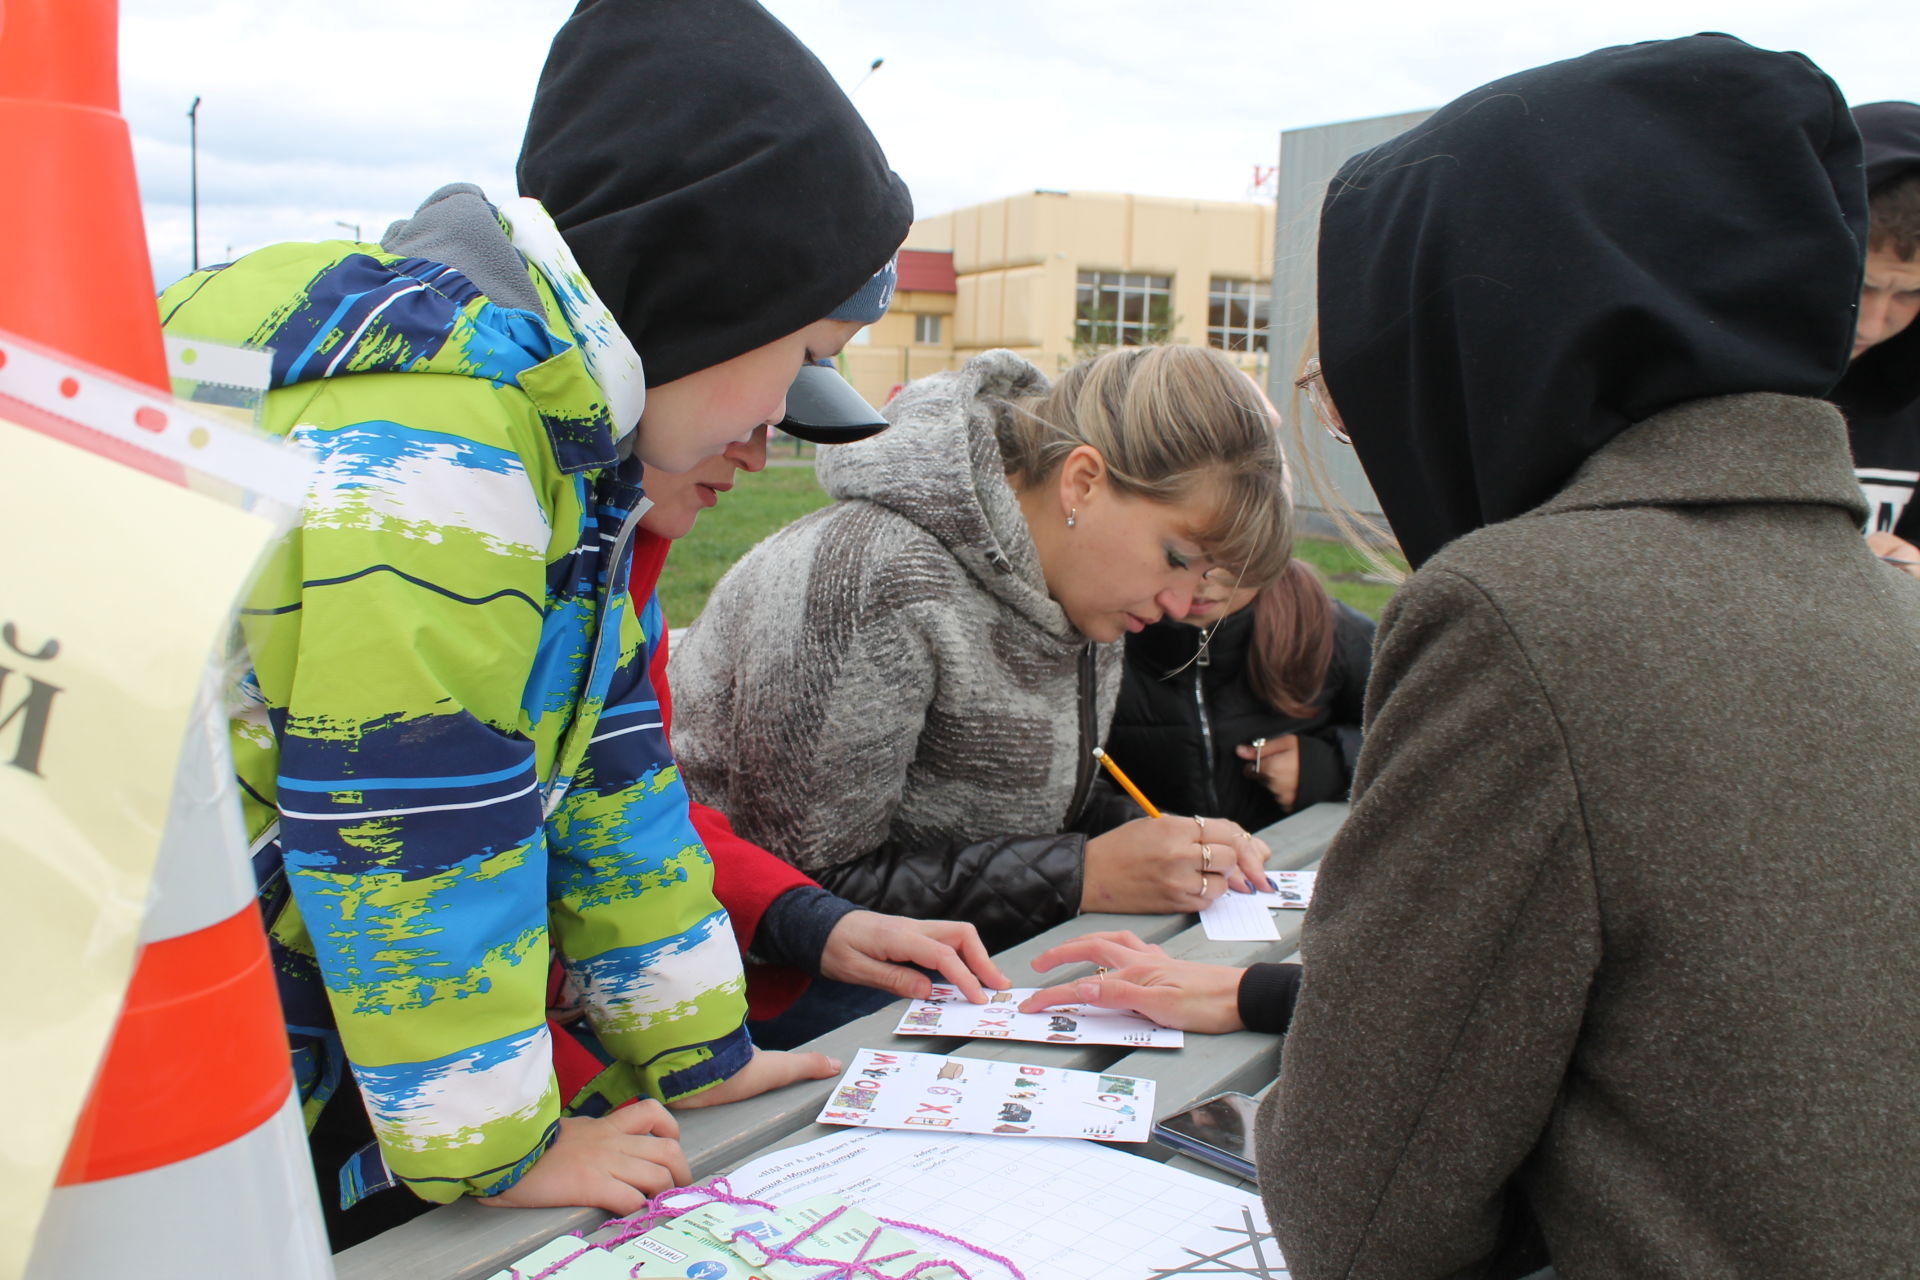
{"x":1562,"y":253}
{"x":1885,"y":381}
{"x":1889,"y":140}
{"x":717,"y":187}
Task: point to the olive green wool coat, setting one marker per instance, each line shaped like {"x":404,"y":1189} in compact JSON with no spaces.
{"x":1623,"y":934}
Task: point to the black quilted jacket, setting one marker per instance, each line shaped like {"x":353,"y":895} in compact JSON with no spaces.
{"x":1009,"y":887}
{"x":1182,"y":713}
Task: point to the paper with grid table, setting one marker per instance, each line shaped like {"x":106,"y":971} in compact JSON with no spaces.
{"x":1060,"y":1209}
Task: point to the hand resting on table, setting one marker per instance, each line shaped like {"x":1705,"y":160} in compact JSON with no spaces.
{"x":1143,"y":979}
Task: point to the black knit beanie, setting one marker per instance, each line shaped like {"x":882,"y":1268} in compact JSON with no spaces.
{"x":717,"y":187}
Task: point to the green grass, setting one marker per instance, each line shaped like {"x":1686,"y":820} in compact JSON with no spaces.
{"x":1347,"y":574}
{"x":759,"y":505}
{"x":782,"y":494}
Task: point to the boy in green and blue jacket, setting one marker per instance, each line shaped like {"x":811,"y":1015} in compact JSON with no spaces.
{"x":451,"y":750}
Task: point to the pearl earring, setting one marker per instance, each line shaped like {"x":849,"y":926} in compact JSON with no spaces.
{"x":1073,"y":516}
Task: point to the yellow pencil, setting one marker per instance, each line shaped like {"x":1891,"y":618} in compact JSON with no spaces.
{"x":1126,"y":783}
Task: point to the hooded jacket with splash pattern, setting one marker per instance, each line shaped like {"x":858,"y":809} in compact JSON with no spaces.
{"x":450,"y":746}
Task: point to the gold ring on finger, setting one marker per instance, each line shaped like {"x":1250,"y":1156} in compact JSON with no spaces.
{"x":1206,"y":858}
{"x":1203,"y":827}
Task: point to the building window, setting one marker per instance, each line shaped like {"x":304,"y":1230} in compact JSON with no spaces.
{"x":1236,"y":315}
{"x":926,"y":330}
{"x":1113,"y":309}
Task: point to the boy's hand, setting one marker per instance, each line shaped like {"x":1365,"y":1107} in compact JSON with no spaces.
{"x":612,"y":1162}
{"x":873,"y":950}
{"x":769,"y":1070}
{"x":1895,"y":551}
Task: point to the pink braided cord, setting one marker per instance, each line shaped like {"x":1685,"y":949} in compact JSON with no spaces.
{"x":718,"y":1191}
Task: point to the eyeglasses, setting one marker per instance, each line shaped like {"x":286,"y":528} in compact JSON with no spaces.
{"x":1313,"y":384}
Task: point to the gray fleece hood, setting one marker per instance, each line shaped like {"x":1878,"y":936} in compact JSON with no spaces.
{"x":940,"y":467}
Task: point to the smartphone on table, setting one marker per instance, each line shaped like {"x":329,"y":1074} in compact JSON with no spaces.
{"x":1218,"y":1131}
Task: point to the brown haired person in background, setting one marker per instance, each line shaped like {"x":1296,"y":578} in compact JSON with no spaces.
{"x":1248,"y":707}
{"x":1878,"y":393}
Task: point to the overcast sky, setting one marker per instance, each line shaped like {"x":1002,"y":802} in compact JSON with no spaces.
{"x":353,"y":110}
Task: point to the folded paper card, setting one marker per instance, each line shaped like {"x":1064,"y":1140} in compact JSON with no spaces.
{"x":932,"y":1092}
{"x":948,"y":1013}
{"x":1247,"y":917}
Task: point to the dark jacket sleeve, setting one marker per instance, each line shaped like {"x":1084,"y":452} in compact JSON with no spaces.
{"x":1010,"y":887}
{"x":1325,"y":771}
{"x":794,"y":929}
{"x":1107,"y":807}
{"x":1267,"y":994}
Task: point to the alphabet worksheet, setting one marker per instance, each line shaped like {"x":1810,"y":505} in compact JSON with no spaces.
{"x":932,"y":1093}
{"x":947,"y":1013}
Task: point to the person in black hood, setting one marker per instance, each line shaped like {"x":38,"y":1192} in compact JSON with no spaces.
{"x":1881,"y":393}
{"x":1612,"y":964}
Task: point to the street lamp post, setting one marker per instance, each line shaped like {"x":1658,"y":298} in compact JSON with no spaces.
{"x":351,"y":226}
{"x":193,"y":163}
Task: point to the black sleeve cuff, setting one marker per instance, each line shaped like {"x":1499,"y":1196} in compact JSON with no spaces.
{"x":793,"y":931}
{"x":1321,"y":777}
{"x":1267,"y":993}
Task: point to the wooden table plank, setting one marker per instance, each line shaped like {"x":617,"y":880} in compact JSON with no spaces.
{"x":466,"y":1241}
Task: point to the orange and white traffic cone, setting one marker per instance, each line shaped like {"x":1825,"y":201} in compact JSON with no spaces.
{"x":74,"y":272}
{"x":189,"y":1158}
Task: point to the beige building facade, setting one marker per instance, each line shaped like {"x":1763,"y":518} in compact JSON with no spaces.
{"x":1058,"y":275}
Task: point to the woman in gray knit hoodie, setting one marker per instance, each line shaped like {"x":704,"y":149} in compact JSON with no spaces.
{"x":900,"y":693}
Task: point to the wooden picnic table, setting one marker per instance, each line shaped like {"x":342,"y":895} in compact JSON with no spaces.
{"x":467,"y":1241}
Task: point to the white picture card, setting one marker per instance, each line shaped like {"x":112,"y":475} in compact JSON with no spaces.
{"x":1248,"y":917}
{"x":930,"y":1092}
{"x":947,"y":1013}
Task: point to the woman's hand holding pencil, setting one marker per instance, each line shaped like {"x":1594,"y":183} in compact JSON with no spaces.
{"x":1165,"y":863}
{"x":1126,"y":783}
